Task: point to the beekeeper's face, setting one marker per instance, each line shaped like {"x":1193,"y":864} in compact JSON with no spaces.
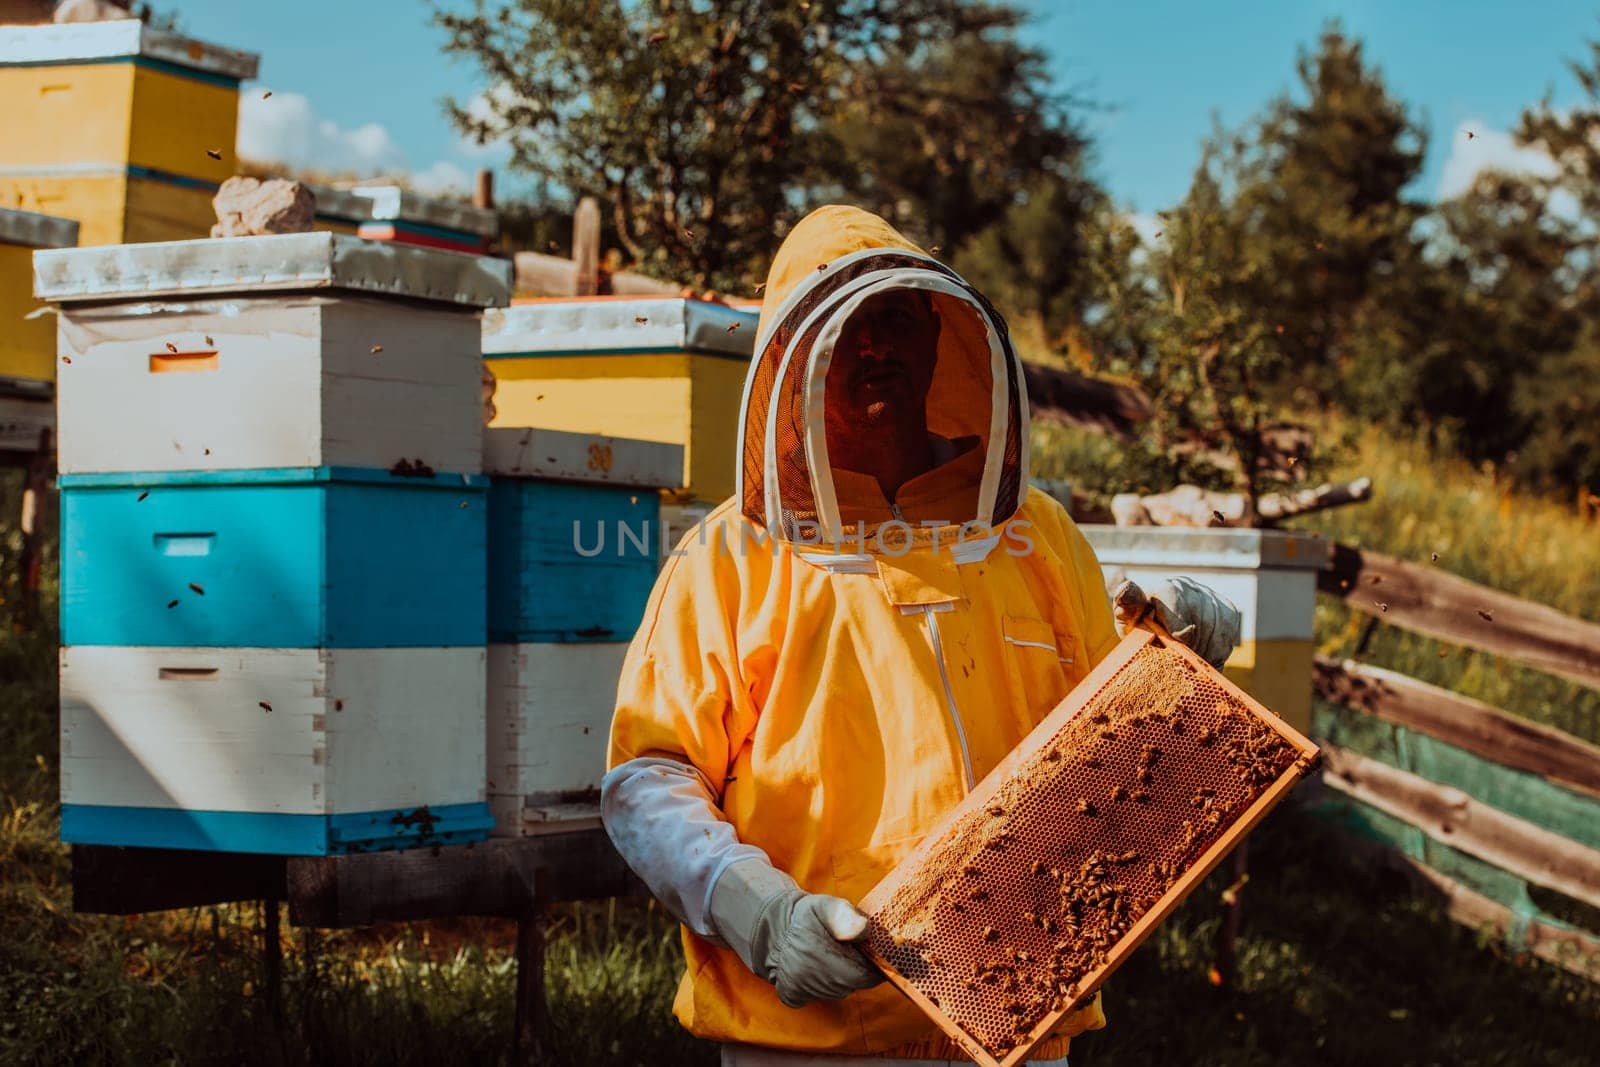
{"x":883,"y":364}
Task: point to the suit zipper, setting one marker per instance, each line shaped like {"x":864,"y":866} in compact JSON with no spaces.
{"x":949,"y":697}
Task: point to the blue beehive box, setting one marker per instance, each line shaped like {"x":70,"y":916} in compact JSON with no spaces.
{"x":573,"y":548}
{"x":296,"y":558}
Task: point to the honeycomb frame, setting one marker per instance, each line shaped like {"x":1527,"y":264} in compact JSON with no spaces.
{"x":1162,"y":785}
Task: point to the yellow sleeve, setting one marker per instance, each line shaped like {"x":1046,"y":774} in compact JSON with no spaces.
{"x":678,"y":695}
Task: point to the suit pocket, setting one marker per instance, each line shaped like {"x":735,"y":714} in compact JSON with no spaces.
{"x":1037,"y":668}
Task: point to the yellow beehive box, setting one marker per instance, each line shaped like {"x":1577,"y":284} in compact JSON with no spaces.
{"x":126,"y":129}
{"x":27,"y":340}
{"x":658,"y":368}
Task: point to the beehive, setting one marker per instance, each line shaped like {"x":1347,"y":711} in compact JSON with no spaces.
{"x":573,"y":553}
{"x":287,"y":751}
{"x":273,"y":539}
{"x":664,"y":369}
{"x":292,"y":558}
{"x":1270,"y":575}
{"x":124,"y":128}
{"x":28,"y":342}
{"x":390,"y":213}
{"x":298,"y":350}
{"x":1021,"y":902}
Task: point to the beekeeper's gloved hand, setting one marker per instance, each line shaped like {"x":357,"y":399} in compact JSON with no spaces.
{"x":1193,"y":613}
{"x":798,"y":941}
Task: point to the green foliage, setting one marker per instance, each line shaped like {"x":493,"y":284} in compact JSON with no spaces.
{"x":1269,"y":282}
{"x":1296,"y":275}
{"x":948,"y":140}
{"x":706,"y":128}
{"x":1316,"y":192}
{"x":1040,"y":260}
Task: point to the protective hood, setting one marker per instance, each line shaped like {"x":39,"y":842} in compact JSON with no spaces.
{"x":835,"y":259}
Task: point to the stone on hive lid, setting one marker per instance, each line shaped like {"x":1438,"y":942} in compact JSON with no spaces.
{"x":249,"y":207}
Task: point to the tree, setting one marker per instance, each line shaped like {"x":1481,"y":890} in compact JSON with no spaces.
{"x":1572,"y":138}
{"x":1559,"y":401}
{"x":707,"y":127}
{"x":1317,"y":188}
{"x":946,"y":140}
{"x":1040,"y":261}
{"x":1208,"y":358}
{"x":1503,"y":304}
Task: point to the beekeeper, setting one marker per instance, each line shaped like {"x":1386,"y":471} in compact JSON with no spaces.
{"x":878,"y":616}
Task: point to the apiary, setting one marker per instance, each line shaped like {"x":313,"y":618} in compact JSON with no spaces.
{"x":28,"y":343}
{"x":1015,"y":908}
{"x":274,"y":528}
{"x":1270,"y":575}
{"x":390,"y":213}
{"x":660,"y":368}
{"x":574,"y":547}
{"x":124,"y":128}
{"x":295,"y":350}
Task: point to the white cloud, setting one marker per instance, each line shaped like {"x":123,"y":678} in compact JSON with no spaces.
{"x":441,"y":178}
{"x":1487,"y":149}
{"x":285,"y":128}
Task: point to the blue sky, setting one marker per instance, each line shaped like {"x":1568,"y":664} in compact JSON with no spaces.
{"x":357,"y":83}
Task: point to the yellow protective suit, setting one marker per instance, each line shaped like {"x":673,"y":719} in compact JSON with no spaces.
{"x":841,"y":686}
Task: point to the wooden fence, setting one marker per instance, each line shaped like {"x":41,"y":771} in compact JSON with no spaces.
{"x":1499,"y":815}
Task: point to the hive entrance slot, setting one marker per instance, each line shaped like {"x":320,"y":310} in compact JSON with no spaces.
{"x":182,"y":362}
{"x":186,"y":674}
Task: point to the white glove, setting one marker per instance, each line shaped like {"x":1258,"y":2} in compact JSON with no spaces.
{"x":1193,"y":613}
{"x":798,"y":941}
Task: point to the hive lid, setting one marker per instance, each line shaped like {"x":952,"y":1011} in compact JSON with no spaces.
{"x":1177,"y":547}
{"x":384,"y":203}
{"x":281,"y":262}
{"x":76,"y":42}
{"x":37,"y":231}
{"x":556,"y":455}
{"x":1016,"y":907}
{"x":613,"y":325}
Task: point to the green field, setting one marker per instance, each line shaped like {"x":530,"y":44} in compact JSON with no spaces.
{"x":1338,"y":963}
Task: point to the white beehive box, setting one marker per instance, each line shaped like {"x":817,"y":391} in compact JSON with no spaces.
{"x":290,"y":751}
{"x":297,"y":350}
{"x":1270,"y":575}
{"x":550,"y":700}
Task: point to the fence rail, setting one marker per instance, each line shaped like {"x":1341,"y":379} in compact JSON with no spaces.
{"x":1500,"y":816}
{"x":1469,"y":724}
{"x":1432,"y":602}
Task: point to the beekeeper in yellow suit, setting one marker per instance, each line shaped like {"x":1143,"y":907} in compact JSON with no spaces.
{"x":878,"y":616}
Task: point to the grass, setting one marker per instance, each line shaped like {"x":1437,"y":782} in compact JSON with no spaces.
{"x":1338,"y":963}
{"x":1481,"y":527}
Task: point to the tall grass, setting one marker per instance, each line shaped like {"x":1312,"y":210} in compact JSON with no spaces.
{"x":1423,"y":503}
